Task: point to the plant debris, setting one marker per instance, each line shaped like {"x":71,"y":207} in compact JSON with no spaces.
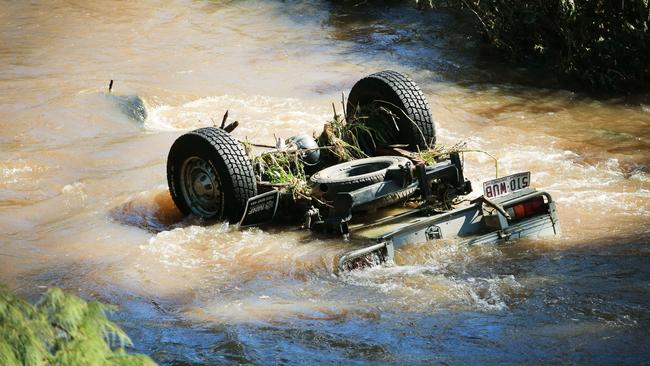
{"x":345,"y":138}
{"x":283,"y":168}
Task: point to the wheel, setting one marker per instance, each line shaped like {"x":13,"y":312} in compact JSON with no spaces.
{"x":388,"y":200}
{"x":355,"y":174}
{"x":394,"y":108}
{"x":352,"y":175}
{"x":209,"y":175}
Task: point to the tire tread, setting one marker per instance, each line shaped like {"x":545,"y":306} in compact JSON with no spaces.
{"x":238,"y":168}
{"x":414,"y":104}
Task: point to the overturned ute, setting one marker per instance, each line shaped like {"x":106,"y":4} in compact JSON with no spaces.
{"x":380,"y":154}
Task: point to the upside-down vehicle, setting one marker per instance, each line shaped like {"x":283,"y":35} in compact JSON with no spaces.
{"x":366,"y":178}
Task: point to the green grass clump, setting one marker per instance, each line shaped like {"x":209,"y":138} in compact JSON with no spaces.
{"x":342,"y":136}
{"x":339,"y":140}
{"x":284,"y":168}
{"x":346,"y":135}
{"x":61,"y":329}
{"x":439,"y":152}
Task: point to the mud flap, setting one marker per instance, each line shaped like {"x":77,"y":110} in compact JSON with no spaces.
{"x":260,"y":209}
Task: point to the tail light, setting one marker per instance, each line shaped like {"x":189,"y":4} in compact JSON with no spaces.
{"x":532,"y":207}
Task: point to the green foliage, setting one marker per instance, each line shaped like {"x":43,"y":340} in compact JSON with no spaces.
{"x":284,"y":168}
{"x":61,"y":329}
{"x":343,"y":137}
{"x":339,"y":142}
{"x":603,"y":44}
{"x":440,"y":152}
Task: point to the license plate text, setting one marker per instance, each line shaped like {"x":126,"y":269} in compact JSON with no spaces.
{"x":502,"y":186}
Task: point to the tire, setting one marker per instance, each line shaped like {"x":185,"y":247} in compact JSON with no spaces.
{"x":352,"y":175}
{"x":389,"y":200}
{"x":209,"y":175}
{"x":399,"y":94}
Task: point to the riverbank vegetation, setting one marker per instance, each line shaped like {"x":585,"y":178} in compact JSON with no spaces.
{"x":61,"y":329}
{"x":601,"y":44}
{"x":597,"y":45}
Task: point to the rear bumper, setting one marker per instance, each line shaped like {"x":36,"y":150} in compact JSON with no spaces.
{"x":538,"y":226}
{"x":468,"y":224}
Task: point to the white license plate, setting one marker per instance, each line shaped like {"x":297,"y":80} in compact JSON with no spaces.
{"x":505,"y":185}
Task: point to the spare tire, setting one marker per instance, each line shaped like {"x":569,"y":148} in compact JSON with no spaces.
{"x":352,"y":175}
{"x":210,"y":175}
{"x":396,"y":93}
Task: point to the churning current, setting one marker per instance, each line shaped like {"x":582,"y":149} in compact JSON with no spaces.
{"x":84,"y":202}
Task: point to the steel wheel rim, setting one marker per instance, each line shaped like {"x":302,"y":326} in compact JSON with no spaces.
{"x":201,"y":187}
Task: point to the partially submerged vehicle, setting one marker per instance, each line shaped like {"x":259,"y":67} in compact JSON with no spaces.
{"x":379,"y":160}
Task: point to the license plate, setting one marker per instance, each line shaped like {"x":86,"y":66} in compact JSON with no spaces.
{"x":505,"y":185}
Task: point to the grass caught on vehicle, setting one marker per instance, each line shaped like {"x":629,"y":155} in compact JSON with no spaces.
{"x":61,"y":329}
{"x":342,"y":137}
{"x":437,"y":152}
{"x":441,"y":152}
{"x":285,"y":169}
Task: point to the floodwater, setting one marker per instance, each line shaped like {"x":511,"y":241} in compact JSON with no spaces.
{"x":84,"y":203}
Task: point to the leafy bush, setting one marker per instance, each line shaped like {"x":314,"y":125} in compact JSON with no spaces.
{"x":601,"y":43}
{"x":61,"y":329}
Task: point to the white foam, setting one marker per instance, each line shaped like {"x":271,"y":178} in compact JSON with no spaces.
{"x":9,"y":172}
{"x":173,"y":247}
{"x":429,"y":286}
{"x":258,"y":116}
{"x":74,"y":194}
{"x":640,"y":176}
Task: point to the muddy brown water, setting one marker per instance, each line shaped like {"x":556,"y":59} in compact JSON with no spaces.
{"x":84,"y":203}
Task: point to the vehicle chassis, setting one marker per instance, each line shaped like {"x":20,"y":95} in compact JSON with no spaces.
{"x":210,"y":174}
{"x":481,"y":221}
